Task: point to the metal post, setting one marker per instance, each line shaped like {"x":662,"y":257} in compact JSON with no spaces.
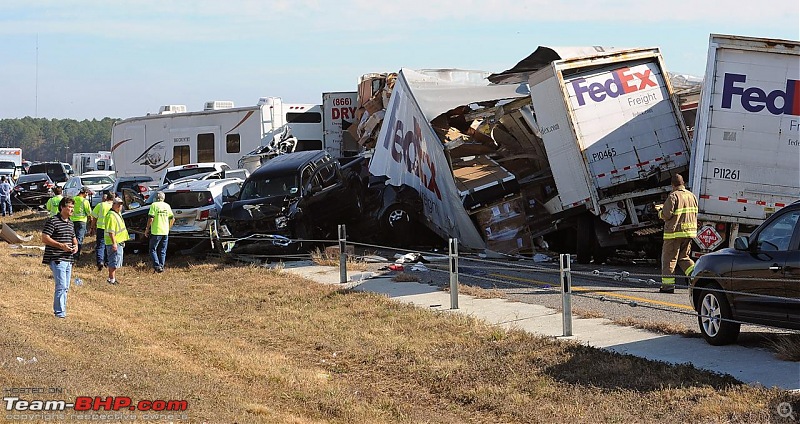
{"x":566,"y":294}
{"x":453,"y":273}
{"x":342,"y":254}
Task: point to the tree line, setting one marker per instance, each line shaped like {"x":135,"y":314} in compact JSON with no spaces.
{"x":43,"y":139}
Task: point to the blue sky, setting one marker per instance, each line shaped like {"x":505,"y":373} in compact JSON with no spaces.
{"x":98,"y":58}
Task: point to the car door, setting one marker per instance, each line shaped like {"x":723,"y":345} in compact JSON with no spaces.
{"x":791,"y":274}
{"x":759,"y":288}
{"x":329,"y":202}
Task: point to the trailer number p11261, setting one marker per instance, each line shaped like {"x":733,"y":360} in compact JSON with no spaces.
{"x":726,"y":173}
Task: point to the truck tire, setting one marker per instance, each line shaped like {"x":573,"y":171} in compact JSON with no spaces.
{"x":713,"y":317}
{"x":397,"y":223}
{"x":585,"y":239}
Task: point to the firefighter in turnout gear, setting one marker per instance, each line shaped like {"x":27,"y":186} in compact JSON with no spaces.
{"x":680,"y":227}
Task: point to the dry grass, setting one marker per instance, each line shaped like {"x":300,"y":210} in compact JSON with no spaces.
{"x":248,"y":345}
{"x":323,"y":258}
{"x":658,"y":327}
{"x":786,"y":347}
{"x":404,"y":277}
{"x":478,"y":292}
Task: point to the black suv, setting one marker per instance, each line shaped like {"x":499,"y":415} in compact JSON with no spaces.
{"x":301,"y":195}
{"x":758,"y":281}
{"x":57,"y":171}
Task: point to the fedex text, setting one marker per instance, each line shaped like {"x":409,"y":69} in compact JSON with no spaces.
{"x":621,"y":81}
{"x":405,"y":146}
{"x":755,"y":99}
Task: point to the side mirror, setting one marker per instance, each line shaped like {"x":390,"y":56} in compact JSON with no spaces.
{"x":741,"y":243}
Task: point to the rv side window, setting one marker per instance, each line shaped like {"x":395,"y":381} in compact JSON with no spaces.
{"x":205,"y":147}
{"x":232,"y":143}
{"x":304,"y":118}
{"x":180,"y":155}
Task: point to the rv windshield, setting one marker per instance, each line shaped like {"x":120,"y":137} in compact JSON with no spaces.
{"x":273,"y":187}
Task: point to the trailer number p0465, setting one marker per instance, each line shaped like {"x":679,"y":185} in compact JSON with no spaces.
{"x":726,"y":173}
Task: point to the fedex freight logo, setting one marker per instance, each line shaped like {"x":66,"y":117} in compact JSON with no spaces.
{"x":621,"y":81}
{"x":754,"y":99}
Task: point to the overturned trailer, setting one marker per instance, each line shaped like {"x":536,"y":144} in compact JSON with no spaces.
{"x":573,"y":145}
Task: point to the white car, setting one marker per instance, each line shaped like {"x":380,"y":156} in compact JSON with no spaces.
{"x":97,"y":181}
{"x":174,"y":173}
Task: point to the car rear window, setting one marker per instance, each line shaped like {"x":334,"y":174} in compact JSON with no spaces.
{"x":31,"y":177}
{"x":5,"y":164}
{"x":180,"y":173}
{"x":188,"y":199}
{"x":97,"y":180}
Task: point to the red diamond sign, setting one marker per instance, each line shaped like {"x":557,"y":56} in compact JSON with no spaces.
{"x":708,"y":238}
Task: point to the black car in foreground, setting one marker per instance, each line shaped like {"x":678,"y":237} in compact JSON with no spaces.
{"x":758,"y":281}
{"x":32,"y":191}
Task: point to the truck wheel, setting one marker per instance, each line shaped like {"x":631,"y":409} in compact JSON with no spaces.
{"x":397,"y":221}
{"x":714,"y":314}
{"x":585,"y":240}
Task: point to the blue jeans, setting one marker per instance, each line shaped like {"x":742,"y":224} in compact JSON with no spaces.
{"x":158,"y":250}
{"x":100,"y":247}
{"x":62,"y":273}
{"x":5,"y":205}
{"x":80,"y":233}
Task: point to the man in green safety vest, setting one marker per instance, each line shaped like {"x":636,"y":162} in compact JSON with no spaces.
{"x":680,"y":227}
{"x":82,"y":217}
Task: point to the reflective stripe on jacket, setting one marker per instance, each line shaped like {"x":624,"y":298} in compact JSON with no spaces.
{"x":679,"y":214}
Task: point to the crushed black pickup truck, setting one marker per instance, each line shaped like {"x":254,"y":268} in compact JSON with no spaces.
{"x":291,"y":200}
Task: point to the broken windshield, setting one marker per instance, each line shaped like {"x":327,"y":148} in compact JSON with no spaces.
{"x":281,"y":186}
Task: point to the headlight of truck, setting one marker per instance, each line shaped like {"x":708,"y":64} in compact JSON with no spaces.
{"x":281,"y":222}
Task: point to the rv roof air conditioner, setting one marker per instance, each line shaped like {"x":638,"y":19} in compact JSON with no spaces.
{"x":218,"y":104}
{"x":167,"y":109}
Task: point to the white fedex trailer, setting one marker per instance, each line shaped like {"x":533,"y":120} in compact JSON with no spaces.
{"x":746,"y":153}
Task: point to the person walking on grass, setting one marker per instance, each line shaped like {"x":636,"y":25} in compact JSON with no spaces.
{"x":99,"y":214}
{"x":81,"y":217}
{"x":5,"y":196}
{"x":116,"y":234}
{"x":53,"y":202}
{"x":60,"y":244}
{"x":680,"y":227}
{"x":159,"y":222}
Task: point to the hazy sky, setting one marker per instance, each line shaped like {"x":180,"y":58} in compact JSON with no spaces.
{"x":126,"y":58}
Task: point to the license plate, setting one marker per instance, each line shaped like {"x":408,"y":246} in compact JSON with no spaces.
{"x":34,"y":186}
{"x":181,"y":222}
{"x":132,"y":236}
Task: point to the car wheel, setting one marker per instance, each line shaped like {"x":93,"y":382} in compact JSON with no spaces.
{"x":397,"y":221}
{"x":714,"y":315}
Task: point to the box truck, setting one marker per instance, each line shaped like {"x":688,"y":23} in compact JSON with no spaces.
{"x":10,"y":162}
{"x":149,"y":144}
{"x":588,"y":139}
{"x":746,"y":153}
{"x":86,"y":162}
{"x":614,"y":135}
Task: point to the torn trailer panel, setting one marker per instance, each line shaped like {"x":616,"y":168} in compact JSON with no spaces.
{"x":411,"y":152}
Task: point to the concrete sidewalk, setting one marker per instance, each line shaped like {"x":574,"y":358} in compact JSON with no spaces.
{"x":750,"y":365}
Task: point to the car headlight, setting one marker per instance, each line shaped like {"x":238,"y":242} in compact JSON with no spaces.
{"x":281,"y":222}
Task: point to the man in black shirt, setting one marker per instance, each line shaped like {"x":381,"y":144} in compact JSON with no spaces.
{"x":60,"y":244}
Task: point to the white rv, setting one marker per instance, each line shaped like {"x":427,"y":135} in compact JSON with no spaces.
{"x":149,"y":144}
